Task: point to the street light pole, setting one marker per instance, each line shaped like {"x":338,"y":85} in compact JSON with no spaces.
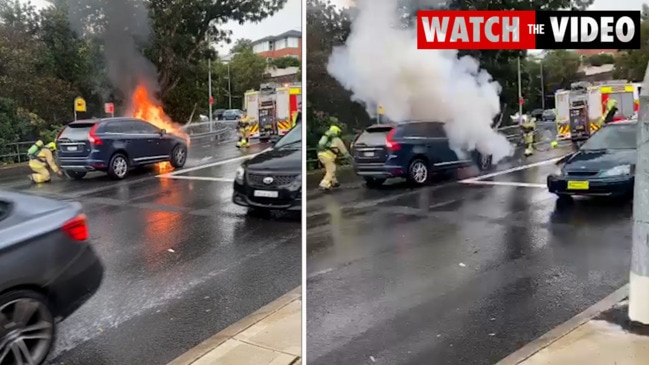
{"x":209,"y":86}
{"x":639,"y":278}
{"x":229,"y":87}
{"x":520,"y":91}
{"x":542,"y":88}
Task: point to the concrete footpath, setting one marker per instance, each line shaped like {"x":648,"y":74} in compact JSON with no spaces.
{"x":601,"y":335}
{"x":270,"y":336}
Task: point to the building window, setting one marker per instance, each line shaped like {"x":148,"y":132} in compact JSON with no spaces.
{"x":280,"y":44}
{"x":292,"y":43}
{"x":261,"y":47}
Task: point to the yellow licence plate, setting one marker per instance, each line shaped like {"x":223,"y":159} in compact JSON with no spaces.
{"x":578,"y":185}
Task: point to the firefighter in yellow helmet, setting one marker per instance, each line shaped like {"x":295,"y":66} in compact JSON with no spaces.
{"x":40,"y":158}
{"x":330,"y":148}
{"x":243,"y":126}
{"x":528,"y":128}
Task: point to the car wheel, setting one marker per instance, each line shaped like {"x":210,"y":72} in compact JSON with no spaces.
{"x":373,"y":182}
{"x":118,"y":166}
{"x":77,"y":175}
{"x":418,"y":172}
{"x":179,"y":156}
{"x":485,"y":162}
{"x":27,"y":328}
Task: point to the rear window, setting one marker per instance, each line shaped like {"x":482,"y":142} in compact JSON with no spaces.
{"x":77,"y":131}
{"x":373,"y":136}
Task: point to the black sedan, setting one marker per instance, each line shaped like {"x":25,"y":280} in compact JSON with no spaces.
{"x":272,"y":180}
{"x":603,"y":166}
{"x":47,"y":270}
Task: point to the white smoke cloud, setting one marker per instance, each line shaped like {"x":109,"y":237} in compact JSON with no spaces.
{"x":380,"y":64}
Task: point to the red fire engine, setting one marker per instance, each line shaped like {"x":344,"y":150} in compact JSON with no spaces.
{"x":274,"y":107}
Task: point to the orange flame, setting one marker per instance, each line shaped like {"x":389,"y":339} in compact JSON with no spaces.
{"x":147,"y":108}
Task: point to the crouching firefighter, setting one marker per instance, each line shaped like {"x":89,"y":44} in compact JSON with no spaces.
{"x":330,"y":148}
{"x":40,"y":158}
{"x":528,"y":128}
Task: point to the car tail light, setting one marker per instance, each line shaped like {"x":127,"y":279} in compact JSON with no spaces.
{"x":92,"y":137}
{"x":390,"y":143}
{"x":77,"y":228}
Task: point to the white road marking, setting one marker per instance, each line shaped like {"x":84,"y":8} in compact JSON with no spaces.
{"x":201,"y":178}
{"x":519,"y":168}
{"x":505,"y":183}
{"x":217,"y":163}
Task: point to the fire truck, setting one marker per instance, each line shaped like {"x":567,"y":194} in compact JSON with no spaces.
{"x":580,"y":109}
{"x":273,"y":107}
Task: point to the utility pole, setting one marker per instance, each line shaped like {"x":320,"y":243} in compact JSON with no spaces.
{"x":542,"y":88}
{"x":639,"y":278}
{"x":520,"y":91}
{"x":229,"y":88}
{"x":209,"y":86}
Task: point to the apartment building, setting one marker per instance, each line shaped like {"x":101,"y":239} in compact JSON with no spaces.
{"x":282,"y":45}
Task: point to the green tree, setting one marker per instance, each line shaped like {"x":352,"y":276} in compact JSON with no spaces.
{"x":241,"y":45}
{"x":631,"y":64}
{"x":285,"y":62}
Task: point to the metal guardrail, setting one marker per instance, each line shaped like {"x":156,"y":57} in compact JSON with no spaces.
{"x":18,"y":152}
{"x":545,"y":132}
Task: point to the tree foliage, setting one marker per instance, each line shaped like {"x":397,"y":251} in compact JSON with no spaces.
{"x":631,"y":64}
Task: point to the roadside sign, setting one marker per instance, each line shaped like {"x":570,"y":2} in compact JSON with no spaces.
{"x":79,"y":105}
{"x":380,"y":110}
{"x":211,"y":100}
{"x":521,"y":101}
{"x":109,"y":108}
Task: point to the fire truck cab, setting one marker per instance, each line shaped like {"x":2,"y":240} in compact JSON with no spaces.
{"x":580,"y":110}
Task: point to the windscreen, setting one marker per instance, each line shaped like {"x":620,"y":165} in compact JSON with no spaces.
{"x":612,"y":137}
{"x":291,"y":138}
{"x":76,"y":132}
{"x":373,"y":136}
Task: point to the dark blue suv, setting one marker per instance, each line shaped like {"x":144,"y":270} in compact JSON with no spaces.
{"x":412,"y":150}
{"x":115,"y":145}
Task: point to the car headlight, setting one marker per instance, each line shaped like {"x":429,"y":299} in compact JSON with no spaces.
{"x":618,"y":171}
{"x":240,"y":174}
{"x":297,"y":183}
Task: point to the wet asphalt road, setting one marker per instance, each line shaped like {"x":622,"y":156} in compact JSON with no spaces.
{"x":182,"y":262}
{"x":455,"y":273}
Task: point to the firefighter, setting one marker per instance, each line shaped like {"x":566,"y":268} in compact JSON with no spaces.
{"x":611,"y":109}
{"x":40,"y":158}
{"x":297,"y":116}
{"x":528,"y":128}
{"x":330,"y":148}
{"x":243,"y":126}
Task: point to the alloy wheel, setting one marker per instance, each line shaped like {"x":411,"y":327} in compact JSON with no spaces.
{"x":180,"y":156}
{"x":26,"y":332}
{"x":419,"y":172}
{"x":120,"y":166}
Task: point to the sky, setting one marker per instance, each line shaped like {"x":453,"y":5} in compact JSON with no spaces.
{"x":289,"y":18}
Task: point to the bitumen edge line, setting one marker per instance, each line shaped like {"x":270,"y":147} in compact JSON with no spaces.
{"x":565,"y":328}
{"x":236,"y":328}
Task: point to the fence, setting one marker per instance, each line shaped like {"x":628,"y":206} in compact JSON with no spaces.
{"x":15,"y":152}
{"x":545,"y":132}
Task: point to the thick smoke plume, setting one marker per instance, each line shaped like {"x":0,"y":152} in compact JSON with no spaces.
{"x":380,"y":64}
{"x":123,"y":27}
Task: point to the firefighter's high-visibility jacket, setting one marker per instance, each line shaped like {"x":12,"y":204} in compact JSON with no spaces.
{"x":46,"y":157}
{"x":297,"y":116}
{"x":611,"y":109}
{"x":332,"y":146}
{"x":528,"y":127}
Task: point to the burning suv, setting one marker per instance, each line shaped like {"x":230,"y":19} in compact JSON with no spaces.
{"x":272,"y":180}
{"x":115,"y":146}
